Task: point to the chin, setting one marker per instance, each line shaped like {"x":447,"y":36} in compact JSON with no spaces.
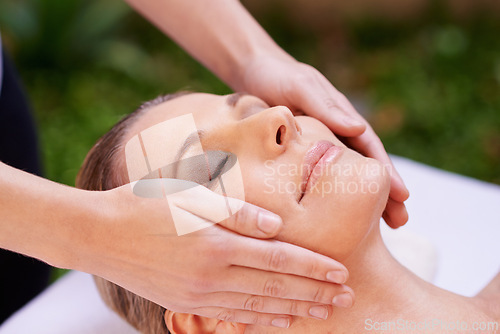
{"x":337,"y":219}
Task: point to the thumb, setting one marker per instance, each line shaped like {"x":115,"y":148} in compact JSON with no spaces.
{"x":252,"y":221}
{"x":194,"y":207}
{"x":232,"y":213}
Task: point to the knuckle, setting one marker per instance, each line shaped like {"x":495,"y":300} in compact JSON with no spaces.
{"x":201,"y":285}
{"x":217,"y":251}
{"x":331,"y":103}
{"x":203,"y":282}
{"x":307,"y":71}
{"x":254,"y":318}
{"x":254,"y":303}
{"x":293,"y":307}
{"x":342,"y":97}
{"x":301,"y":80}
{"x":276,"y":260}
{"x":226,"y":315}
{"x":320,"y":296}
{"x":274,"y":288}
{"x":312,"y":269}
{"x":241,"y":219}
{"x":302,"y":84}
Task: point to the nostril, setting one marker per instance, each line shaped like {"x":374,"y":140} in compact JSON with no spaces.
{"x":279,"y":134}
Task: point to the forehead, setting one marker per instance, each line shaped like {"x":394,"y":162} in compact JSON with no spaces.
{"x":203,"y":107}
{"x":171,"y":129}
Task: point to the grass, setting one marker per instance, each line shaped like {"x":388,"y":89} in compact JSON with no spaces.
{"x":430,"y":85}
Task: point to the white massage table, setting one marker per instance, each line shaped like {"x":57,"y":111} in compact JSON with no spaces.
{"x":451,"y":239}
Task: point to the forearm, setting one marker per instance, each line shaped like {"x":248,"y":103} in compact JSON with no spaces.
{"x":220,"y":34}
{"x":44,"y":219}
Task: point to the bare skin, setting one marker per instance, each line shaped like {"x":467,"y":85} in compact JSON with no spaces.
{"x":92,"y":232}
{"x":343,"y":225}
{"x":223,"y":36}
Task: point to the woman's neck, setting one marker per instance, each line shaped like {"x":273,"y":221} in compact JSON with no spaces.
{"x":385,"y":290}
{"x":387,"y":294}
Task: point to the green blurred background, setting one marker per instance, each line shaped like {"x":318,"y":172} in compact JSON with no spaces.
{"x":425,"y":73}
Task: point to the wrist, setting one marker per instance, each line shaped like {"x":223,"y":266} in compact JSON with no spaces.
{"x":115,"y":222}
{"x":256,"y":69}
{"x":79,"y":229}
{"x":44,"y":219}
{"x":94,"y":231}
{"x":255,"y":58}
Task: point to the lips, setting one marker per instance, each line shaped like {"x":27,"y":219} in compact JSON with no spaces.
{"x":316,"y":158}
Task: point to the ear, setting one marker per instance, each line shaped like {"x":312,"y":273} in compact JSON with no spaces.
{"x":183,"y":323}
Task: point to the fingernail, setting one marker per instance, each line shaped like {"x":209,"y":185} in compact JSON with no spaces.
{"x":281,"y":322}
{"x":405,"y":188}
{"x":319,"y":312}
{"x":336,"y":276}
{"x":343,"y":300}
{"x":398,"y":179}
{"x":268,"y":222}
{"x":351,"y":122}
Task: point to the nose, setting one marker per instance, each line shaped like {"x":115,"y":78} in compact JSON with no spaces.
{"x":277,"y":128}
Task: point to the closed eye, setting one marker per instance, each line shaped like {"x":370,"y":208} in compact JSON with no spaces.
{"x":205,"y":168}
{"x":215,"y":173}
{"x":249,"y":105}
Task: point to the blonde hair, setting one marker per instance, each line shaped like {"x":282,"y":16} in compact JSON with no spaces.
{"x":103,"y":169}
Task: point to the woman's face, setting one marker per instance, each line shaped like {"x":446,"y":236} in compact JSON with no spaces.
{"x":328,"y":196}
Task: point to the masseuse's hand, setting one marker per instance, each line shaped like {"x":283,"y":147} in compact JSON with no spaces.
{"x":226,"y":271}
{"x":284,"y":81}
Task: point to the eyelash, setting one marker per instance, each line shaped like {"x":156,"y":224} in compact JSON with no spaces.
{"x":218,"y":170}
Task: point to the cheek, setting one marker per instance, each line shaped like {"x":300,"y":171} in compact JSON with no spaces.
{"x":232,"y":183}
{"x":345,"y":220}
{"x":336,"y":221}
{"x":265,"y":188}
{"x":313,"y":129}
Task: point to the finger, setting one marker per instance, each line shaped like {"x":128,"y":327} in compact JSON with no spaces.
{"x":199,"y":206}
{"x":244,"y":317}
{"x":253,"y":221}
{"x":370,"y":145}
{"x":262,"y":304}
{"x":280,"y":257}
{"x":395,"y":214}
{"x":202,"y":202}
{"x":275,"y":285}
{"x":324,"y":102}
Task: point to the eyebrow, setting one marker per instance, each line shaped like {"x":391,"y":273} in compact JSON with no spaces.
{"x":232,"y":101}
{"x":193,"y":138}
